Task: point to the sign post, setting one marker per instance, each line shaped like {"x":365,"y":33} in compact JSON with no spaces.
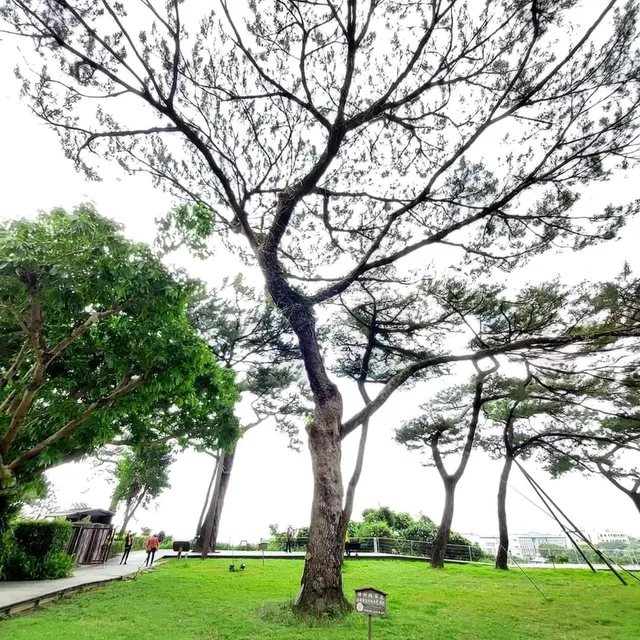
{"x":372,"y":602}
{"x":262,"y":546}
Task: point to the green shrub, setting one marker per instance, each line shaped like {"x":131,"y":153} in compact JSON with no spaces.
{"x":117,"y":547}
{"x":375,"y":529}
{"x":422,"y":530}
{"x":22,"y":566}
{"x":42,"y":537}
{"x":7,"y":547}
{"x":37,"y":551}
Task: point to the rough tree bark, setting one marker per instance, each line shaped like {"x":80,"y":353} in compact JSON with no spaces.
{"x":322,"y":577}
{"x":208,"y":521}
{"x":502,"y":556}
{"x":207,"y":497}
{"x":439,"y":548}
{"x":216,"y":502}
{"x":321,"y":584}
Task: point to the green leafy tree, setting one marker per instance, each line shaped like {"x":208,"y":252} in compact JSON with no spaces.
{"x":369,"y":149}
{"x":99,"y":348}
{"x":142,"y":474}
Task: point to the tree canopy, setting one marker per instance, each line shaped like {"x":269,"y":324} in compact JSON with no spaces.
{"x":141,"y":474}
{"x":97,"y":345}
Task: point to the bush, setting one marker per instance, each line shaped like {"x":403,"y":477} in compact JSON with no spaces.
{"x":41,"y":537}
{"x":37,"y":551}
{"x":22,"y":566}
{"x":375,"y":529}
{"x":117,"y":547}
{"x":423,"y":530}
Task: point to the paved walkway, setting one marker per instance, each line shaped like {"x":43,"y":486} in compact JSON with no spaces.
{"x":12,"y":594}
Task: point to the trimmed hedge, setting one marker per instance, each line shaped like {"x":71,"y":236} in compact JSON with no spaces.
{"x":117,"y":548}
{"x":38,"y":551}
{"x":40,"y":537}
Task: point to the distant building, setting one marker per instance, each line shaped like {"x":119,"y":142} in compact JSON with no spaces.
{"x":521,"y":545}
{"x":598,"y":537}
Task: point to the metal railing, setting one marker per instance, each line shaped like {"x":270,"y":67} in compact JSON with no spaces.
{"x":385,"y":546}
{"x":456,"y":552}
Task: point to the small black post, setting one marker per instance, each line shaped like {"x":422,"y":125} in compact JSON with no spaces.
{"x":369,"y":636}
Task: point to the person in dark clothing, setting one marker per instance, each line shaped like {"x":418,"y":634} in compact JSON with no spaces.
{"x":128,"y":543}
{"x":152,"y":547}
{"x":289,"y":539}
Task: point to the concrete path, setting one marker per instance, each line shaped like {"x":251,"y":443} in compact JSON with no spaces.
{"x":15,"y":596}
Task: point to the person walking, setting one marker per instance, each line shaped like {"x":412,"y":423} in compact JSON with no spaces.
{"x":289,"y":539}
{"x":152,"y":547}
{"x":128,"y":543}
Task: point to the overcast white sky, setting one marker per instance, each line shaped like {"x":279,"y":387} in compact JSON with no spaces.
{"x":270,"y":483}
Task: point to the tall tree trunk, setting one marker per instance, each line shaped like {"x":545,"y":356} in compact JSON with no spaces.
{"x":225,"y":478}
{"x":502,"y":556}
{"x":322,"y":577}
{"x":128,"y":514}
{"x":439,"y":548}
{"x":207,"y":497}
{"x":207,"y":529}
{"x":635,"y":497}
{"x":113,"y":505}
{"x":353,"y":483}
{"x":216,"y":502}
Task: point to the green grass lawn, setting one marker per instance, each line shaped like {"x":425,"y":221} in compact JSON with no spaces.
{"x":185,"y":600}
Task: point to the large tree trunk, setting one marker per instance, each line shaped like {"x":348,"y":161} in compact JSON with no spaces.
{"x":217,"y":500}
{"x":502,"y":556}
{"x":322,"y":577}
{"x":207,"y":527}
{"x":207,"y":497}
{"x":439,"y":548}
{"x":635,"y":497}
{"x":113,"y":505}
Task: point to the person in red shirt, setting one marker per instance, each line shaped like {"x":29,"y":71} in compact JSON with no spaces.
{"x":152,"y":547}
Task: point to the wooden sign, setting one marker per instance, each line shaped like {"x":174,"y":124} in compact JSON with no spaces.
{"x":371,"y":601}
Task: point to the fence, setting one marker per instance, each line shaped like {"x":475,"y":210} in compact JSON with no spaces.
{"x":455,"y":552}
{"x":387,"y":546}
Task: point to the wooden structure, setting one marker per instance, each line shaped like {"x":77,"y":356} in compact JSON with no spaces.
{"x":92,"y":534}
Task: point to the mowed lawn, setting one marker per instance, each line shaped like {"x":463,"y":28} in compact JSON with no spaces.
{"x":194,"y":599}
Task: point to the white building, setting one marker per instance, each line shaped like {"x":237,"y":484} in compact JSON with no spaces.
{"x":522,"y":545}
{"x":607,"y":535}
